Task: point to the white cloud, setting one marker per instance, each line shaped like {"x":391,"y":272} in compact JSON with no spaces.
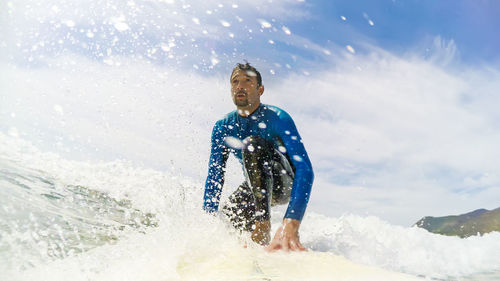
{"x":398,"y":137}
{"x":412,"y":106}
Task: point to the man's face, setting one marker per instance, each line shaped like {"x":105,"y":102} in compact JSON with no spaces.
{"x":244,"y":89}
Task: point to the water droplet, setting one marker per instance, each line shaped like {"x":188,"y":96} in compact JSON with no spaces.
{"x":370,"y":22}
{"x":69,"y":23}
{"x":58,"y":109}
{"x":121,"y":26}
{"x":108,"y":61}
{"x":234,"y":142}
{"x":13,"y":132}
{"x":165,"y":47}
{"x":286,"y":30}
{"x":54,"y":8}
{"x":225,"y":23}
{"x":264,"y":23}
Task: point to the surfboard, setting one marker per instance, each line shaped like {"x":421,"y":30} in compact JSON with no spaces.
{"x":257,"y":265}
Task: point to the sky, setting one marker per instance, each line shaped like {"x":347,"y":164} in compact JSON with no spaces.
{"x":395,"y":100}
{"x":234,"y":29}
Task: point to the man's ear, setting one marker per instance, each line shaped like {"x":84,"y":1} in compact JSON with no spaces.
{"x":261,"y":90}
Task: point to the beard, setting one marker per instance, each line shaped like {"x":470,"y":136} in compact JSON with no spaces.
{"x":241,"y":101}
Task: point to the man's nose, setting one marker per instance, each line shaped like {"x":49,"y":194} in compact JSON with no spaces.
{"x":239,"y":85}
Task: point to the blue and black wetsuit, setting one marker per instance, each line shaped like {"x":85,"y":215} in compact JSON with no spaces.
{"x":274,"y":160}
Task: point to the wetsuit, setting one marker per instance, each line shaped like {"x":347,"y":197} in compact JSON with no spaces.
{"x":275,"y":164}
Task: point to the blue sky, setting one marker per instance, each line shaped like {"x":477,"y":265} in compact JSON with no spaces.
{"x":404,"y":27}
{"x":396,"y":100}
{"x":400,"y":26}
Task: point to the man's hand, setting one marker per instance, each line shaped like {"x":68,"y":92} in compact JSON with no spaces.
{"x":287,"y":237}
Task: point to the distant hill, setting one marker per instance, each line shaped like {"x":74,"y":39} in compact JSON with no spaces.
{"x":479,"y":221}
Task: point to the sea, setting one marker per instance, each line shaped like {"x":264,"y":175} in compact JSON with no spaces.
{"x":62,"y":219}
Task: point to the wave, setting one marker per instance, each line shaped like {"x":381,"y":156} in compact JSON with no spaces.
{"x":113,"y":221}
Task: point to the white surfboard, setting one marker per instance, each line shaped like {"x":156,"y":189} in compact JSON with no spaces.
{"x":257,"y":265}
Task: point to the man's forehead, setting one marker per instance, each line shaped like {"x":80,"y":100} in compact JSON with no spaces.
{"x":241,"y":72}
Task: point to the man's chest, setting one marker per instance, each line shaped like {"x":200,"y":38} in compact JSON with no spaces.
{"x":260,"y":127}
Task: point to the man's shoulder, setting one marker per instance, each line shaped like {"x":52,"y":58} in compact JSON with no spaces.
{"x":227,"y":118}
{"x":276,"y":112}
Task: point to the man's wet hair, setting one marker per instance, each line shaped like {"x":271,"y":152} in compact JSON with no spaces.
{"x":252,"y":71}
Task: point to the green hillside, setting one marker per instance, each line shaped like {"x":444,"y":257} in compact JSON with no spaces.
{"x":477,"y":222}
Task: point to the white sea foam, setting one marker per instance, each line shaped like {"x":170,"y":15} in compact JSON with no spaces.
{"x":183,"y":227}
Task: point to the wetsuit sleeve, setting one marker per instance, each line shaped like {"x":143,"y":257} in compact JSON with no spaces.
{"x":304,"y":176}
{"x":216,"y":168}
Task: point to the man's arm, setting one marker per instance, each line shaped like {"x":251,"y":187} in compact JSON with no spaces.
{"x":287,"y":236}
{"x":216,"y":169}
{"x":304,"y":176}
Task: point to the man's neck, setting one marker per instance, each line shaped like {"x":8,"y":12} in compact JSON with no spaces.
{"x":247,"y":110}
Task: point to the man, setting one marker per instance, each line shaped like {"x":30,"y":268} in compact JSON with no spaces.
{"x":275,"y":163}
